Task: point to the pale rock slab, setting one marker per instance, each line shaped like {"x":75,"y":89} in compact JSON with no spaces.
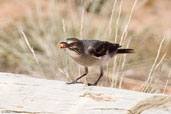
{"x":22,"y":94}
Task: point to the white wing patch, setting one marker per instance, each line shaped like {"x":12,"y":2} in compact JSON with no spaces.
{"x":103,"y":58}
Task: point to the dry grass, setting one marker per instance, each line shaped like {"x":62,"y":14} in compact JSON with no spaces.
{"x":154,"y":102}
{"x":44,"y":24}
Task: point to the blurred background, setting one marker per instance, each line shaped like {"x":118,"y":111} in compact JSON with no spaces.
{"x":31,"y":29}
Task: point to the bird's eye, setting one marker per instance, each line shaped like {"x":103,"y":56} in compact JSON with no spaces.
{"x":74,"y":43}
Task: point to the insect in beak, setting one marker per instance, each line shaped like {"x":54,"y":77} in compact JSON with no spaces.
{"x":63,"y":45}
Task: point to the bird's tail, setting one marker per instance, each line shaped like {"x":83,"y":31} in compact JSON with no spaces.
{"x":121,"y":51}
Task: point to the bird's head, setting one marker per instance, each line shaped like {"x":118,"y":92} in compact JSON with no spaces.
{"x":70,"y":43}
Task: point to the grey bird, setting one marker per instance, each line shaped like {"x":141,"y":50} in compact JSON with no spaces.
{"x":91,"y":53}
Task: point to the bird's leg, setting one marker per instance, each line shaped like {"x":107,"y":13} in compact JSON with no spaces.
{"x":75,"y":81}
{"x":101,"y":74}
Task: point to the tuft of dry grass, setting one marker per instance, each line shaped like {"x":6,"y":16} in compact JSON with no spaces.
{"x":155,"y":65}
{"x":154,"y":102}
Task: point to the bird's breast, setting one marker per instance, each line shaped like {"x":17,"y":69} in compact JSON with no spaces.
{"x":82,"y":59}
{"x":88,"y":60}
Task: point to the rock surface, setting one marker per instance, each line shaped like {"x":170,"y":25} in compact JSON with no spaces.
{"x":26,"y":95}
{"x":158,"y":111}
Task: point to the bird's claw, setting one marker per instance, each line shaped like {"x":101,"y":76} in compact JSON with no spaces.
{"x":74,"y":82}
{"x":91,"y":84}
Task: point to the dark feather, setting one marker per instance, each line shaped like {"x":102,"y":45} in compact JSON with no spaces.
{"x":101,"y":48}
{"x":121,"y":51}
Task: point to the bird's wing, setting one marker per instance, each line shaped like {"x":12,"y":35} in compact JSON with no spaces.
{"x":101,"y":48}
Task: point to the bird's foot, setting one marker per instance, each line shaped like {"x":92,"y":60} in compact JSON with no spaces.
{"x":74,"y":82}
{"x":91,"y":84}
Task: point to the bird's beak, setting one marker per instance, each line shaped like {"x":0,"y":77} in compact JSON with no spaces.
{"x":63,"y":45}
